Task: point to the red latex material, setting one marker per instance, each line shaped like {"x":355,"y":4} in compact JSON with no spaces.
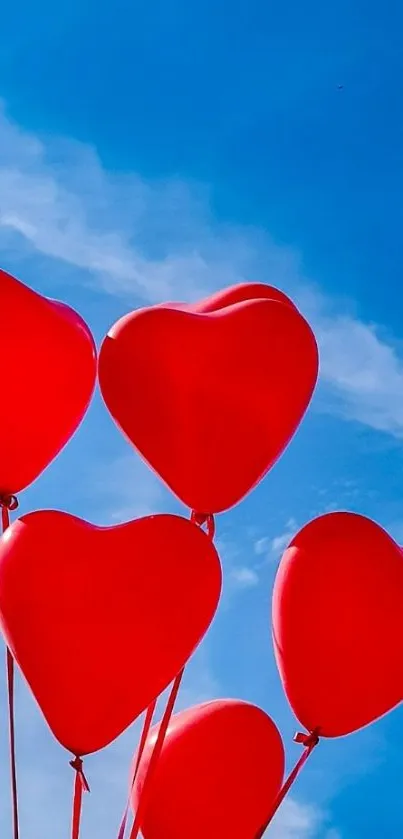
{"x":210,"y":398}
{"x":236,"y":294}
{"x":219,"y":772}
{"x":100,"y":620}
{"x":338,"y":623}
{"x":51,"y":359}
{"x":229,"y":296}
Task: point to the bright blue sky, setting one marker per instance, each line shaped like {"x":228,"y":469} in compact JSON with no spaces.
{"x":152,"y":150}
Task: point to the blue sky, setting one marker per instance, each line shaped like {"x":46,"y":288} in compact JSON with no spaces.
{"x":158,"y":150}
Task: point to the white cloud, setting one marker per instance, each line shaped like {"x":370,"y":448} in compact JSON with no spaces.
{"x":295,"y":820}
{"x":279,"y":543}
{"x":153,"y":241}
{"x":364,"y":372}
{"x":159,"y":240}
{"x":127,"y":488}
{"x":245,"y":577}
{"x":200,"y":683}
{"x":271,"y":548}
{"x":262,"y":546}
{"x":238,"y":576}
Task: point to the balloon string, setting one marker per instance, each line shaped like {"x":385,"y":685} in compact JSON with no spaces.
{"x":199,"y":519}
{"x":5,"y":519}
{"x":80,"y":786}
{"x":7,"y":504}
{"x":13,"y":763}
{"x":309,"y":741}
{"x":144,"y":734}
{"x":155,"y":755}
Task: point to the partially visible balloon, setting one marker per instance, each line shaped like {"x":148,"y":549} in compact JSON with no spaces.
{"x":100,"y":620}
{"x":49,"y":372}
{"x":220,"y":770}
{"x":239,"y":294}
{"x":228,"y":297}
{"x":210,"y":397}
{"x":338,"y":623}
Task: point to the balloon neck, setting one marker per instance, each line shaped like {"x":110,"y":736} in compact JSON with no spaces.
{"x":77,"y":765}
{"x":201,"y":519}
{"x":309,"y":740}
{"x":8,"y":503}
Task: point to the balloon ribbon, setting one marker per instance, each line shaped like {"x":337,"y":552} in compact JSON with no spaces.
{"x":144,"y":734}
{"x":309,"y":741}
{"x":7,"y":504}
{"x":199,"y":519}
{"x":154,"y":756}
{"x":80,"y":786}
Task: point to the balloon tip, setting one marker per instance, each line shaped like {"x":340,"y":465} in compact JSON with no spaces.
{"x":9,"y":502}
{"x":308,"y":740}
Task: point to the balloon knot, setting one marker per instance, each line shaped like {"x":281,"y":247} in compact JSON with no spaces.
{"x":77,"y":765}
{"x":204,"y":518}
{"x":308,"y":740}
{"x":9,"y":502}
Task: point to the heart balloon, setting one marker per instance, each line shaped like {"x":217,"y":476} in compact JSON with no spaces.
{"x":210,"y":399}
{"x":51,"y":362}
{"x":338,"y":623}
{"x":100,"y":620}
{"x":219,"y":772}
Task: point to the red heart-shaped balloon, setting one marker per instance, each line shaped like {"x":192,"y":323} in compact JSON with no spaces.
{"x":219,"y":772}
{"x":210,"y":400}
{"x":100,"y":620}
{"x":338,"y":623}
{"x":50,"y":357}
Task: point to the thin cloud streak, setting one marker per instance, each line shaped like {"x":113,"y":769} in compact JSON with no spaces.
{"x":150,"y":241}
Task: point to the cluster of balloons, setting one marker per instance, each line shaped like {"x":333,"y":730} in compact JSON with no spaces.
{"x":209,"y":394}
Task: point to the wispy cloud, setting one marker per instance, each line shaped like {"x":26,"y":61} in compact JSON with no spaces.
{"x":158,"y":240}
{"x":365,"y":373}
{"x":295,"y":820}
{"x":148,"y":240}
{"x":244,"y":577}
{"x":240,"y":573}
{"x":127,"y":488}
{"x":271,"y":548}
